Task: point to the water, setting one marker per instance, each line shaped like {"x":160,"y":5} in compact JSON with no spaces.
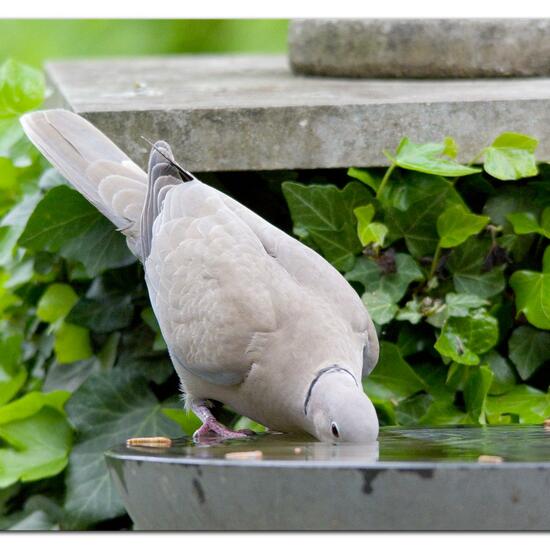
{"x":443,"y":444}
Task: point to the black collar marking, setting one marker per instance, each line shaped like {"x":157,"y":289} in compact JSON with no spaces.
{"x":331,"y":368}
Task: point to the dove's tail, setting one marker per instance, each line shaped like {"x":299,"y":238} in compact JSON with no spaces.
{"x":98,"y":169}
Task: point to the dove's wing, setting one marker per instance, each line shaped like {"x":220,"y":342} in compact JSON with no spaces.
{"x":112,"y":182}
{"x":209,"y":279}
{"x":310,"y":270}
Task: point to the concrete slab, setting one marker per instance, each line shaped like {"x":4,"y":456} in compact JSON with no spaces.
{"x":240,"y":112}
{"x":420,"y":48}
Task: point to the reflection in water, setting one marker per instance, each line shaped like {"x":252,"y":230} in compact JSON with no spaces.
{"x":446,"y":444}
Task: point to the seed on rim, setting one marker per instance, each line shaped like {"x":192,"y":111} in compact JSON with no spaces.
{"x":149,"y":442}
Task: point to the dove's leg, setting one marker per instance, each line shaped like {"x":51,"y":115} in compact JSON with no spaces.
{"x":211,"y":426}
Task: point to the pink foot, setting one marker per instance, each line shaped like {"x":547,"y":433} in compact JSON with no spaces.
{"x":212,"y":426}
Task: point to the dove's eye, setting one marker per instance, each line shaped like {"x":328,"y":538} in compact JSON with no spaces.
{"x":334,"y":430}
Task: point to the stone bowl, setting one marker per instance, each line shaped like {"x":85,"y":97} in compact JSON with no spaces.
{"x":412,"y":479}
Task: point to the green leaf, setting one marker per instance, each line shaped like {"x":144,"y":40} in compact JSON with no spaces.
{"x":323,"y":215}
{"x":456,"y":224}
{"x":511,"y":157}
{"x":12,"y":225}
{"x":12,"y":374}
{"x":532,"y":290}
{"x":467,"y":263}
{"x":417,"y":204}
{"x":368,"y":231}
{"x":105,"y":315}
{"x":367,"y":272}
{"x":21,"y":88}
{"x":409,"y":411}
{"x":56,"y":302}
{"x":72,"y":343}
{"x":526,"y":222}
{"x":107,"y":409}
{"x":528,"y":349}
{"x":64,"y":220}
{"x":392,"y":378}
{"x":443,"y":411}
{"x":504,"y":378}
{"x":148,"y":316}
{"x":186,"y":420}
{"x":8,"y":177}
{"x":428,"y":158}
{"x":380,"y":306}
{"x":531,"y":405}
{"x":36,"y":438}
{"x":460,"y":305}
{"x":475,"y":392}
{"x":463,"y":338}
{"x":245,"y":423}
{"x":365,"y":177}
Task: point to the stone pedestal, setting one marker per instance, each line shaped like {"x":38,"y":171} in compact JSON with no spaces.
{"x":420,"y":48}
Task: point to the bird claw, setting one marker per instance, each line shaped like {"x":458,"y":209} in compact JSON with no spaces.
{"x":212,"y":426}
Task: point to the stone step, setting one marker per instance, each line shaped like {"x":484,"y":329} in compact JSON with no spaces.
{"x":242,"y":112}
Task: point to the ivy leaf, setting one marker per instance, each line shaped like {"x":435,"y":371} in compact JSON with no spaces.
{"x":367,"y":272}
{"x":409,"y":411}
{"x":365,"y":177}
{"x":63,"y":220}
{"x":392,"y":378}
{"x":528,"y":349}
{"x":380,"y":306}
{"x":323,"y":215}
{"x":456,"y":224}
{"x":532,"y":290}
{"x":56,"y":302}
{"x":467,"y":263}
{"x":106,"y":315}
{"x":12,"y":226}
{"x":443,"y":411}
{"x":511,"y":157}
{"x":463,"y":338}
{"x":504,"y":378}
{"x":186,"y":420}
{"x":368,"y":231}
{"x":21,"y":88}
{"x":460,"y":305}
{"x":475,"y":392}
{"x":148,"y":317}
{"x":531,"y":405}
{"x":428,"y":158}
{"x":107,"y":409}
{"x":526,"y":222}
{"x":412,"y":312}
{"x":72,"y":343}
{"x":12,"y":374}
{"x":417,"y":204}
{"x":36,"y":437}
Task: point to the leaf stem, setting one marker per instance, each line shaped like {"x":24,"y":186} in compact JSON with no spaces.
{"x":477,"y":157}
{"x":435,"y":261}
{"x":385,"y":179}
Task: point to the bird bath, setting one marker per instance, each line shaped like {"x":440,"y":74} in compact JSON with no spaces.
{"x":421,"y":478}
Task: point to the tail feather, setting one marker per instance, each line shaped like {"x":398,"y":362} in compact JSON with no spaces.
{"x":97,"y":168}
{"x":164,"y":174}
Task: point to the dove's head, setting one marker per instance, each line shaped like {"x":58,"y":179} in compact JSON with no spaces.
{"x":337,"y":408}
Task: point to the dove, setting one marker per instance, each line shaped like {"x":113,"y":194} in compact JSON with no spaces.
{"x":252,"y":317}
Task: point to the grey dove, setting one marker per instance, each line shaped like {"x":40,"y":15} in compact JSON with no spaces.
{"x":252,"y":317}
